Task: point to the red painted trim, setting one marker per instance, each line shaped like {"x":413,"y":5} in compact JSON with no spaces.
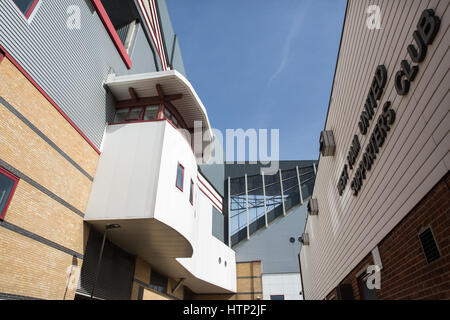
{"x":1,"y":56}
{"x":153,"y":35}
{"x":16,"y":64}
{"x":215,"y":204}
{"x":199,"y":179}
{"x":112,"y":32}
{"x":182,"y":177}
{"x":16,"y":181}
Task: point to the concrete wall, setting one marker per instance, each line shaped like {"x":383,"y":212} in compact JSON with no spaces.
{"x":413,"y":158}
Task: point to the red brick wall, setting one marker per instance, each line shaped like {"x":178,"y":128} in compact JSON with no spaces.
{"x":406,"y":273}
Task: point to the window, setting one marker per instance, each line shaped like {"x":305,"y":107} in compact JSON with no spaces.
{"x":26,"y":6}
{"x":277,"y":297}
{"x":191,"y":193}
{"x":429,"y":245}
{"x":180,"y":177}
{"x":158,"y":282}
{"x":364,"y":292}
{"x":8,"y":183}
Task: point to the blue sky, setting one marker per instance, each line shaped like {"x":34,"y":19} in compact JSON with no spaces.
{"x":263,"y":64}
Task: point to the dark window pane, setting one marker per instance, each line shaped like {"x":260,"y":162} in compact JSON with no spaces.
{"x":180,"y":174}
{"x":277,"y":297}
{"x":167,"y":114}
{"x":6,"y":187}
{"x":151,"y":113}
{"x":158,"y":282}
{"x":191,"y":193}
{"x":364,"y":291}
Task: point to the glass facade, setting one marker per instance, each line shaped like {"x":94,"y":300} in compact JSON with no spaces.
{"x":258,"y":195}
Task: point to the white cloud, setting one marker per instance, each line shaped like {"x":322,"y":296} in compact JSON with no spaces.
{"x":295,"y":28}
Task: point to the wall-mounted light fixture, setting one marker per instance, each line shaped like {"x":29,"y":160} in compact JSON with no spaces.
{"x":327,"y":143}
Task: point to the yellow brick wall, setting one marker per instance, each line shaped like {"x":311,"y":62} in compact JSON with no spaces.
{"x":32,"y":269}
{"x":28,"y":267}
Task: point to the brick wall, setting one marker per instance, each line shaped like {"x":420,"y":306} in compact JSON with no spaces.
{"x":406,"y":273}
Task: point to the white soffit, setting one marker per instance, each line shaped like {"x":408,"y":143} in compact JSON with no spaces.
{"x":189,"y":106}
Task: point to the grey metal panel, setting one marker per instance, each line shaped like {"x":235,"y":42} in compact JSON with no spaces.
{"x":272,"y":245}
{"x":218,"y":224}
{"x":69,"y":65}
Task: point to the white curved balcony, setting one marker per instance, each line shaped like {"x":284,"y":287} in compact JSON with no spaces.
{"x":135,"y":187}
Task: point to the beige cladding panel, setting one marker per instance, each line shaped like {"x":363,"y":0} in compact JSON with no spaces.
{"x":414,"y":156}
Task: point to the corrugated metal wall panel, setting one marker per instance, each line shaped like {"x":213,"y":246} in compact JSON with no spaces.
{"x":411,"y":161}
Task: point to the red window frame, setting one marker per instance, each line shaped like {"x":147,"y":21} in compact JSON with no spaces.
{"x":112,"y":32}
{"x":191,"y":193}
{"x":30,"y":10}
{"x":182,"y":177}
{"x":142,"y":113}
{"x":16,"y":181}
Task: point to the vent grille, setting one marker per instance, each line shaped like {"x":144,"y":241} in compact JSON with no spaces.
{"x":429,"y":245}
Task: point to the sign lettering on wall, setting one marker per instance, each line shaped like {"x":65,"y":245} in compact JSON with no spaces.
{"x":427,"y":29}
